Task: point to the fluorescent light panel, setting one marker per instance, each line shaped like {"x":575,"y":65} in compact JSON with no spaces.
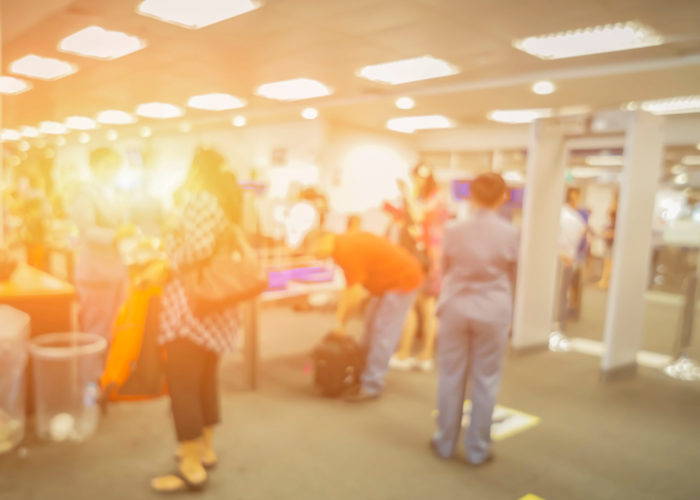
{"x":669,"y":106}
{"x":692,"y":160}
{"x":54,"y":128}
{"x":195,"y":14}
{"x":115,"y":117}
{"x":293,"y":90}
{"x":10,"y":135}
{"x":518,"y":115}
{"x":215,"y":102}
{"x":30,"y":132}
{"x":159,"y":110}
{"x":11,"y":85}
{"x":586,"y":172}
{"x":80,"y":123}
{"x":99,"y":43}
{"x":43,"y":68}
{"x":604,"y":160}
{"x":586,"y":41}
{"x":409,"y":124}
{"x":408,"y":70}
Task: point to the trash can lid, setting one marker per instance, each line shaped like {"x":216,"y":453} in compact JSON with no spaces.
{"x":14,"y":324}
{"x":67,"y":345}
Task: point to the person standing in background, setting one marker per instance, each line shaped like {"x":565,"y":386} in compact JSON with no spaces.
{"x":475,"y":310}
{"x":609,"y":240}
{"x":572,"y":228}
{"x":427,"y":214}
{"x":100,"y":275}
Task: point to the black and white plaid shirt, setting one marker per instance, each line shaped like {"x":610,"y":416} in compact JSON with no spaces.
{"x":202,"y":221}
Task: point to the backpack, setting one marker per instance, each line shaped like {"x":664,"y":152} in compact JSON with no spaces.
{"x":338,"y":363}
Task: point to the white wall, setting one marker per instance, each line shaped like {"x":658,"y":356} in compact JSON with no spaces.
{"x":475,"y":138}
{"x":360,"y":167}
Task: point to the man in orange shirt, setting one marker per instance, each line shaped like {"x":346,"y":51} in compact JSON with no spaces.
{"x":391,"y":275}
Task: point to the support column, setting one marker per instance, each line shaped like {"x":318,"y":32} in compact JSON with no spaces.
{"x":624,"y":323}
{"x":537,"y":267}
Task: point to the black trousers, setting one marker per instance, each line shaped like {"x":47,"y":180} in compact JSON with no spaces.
{"x":192,"y":374}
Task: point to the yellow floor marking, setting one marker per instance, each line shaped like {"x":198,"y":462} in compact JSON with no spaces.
{"x":530,"y":497}
{"x":507,"y":421}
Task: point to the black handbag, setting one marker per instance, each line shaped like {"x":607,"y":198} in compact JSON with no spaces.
{"x":231,"y":275}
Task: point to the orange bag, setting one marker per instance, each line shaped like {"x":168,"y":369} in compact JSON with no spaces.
{"x":134,"y":369}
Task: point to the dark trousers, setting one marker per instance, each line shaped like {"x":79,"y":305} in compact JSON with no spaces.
{"x":192,"y":373}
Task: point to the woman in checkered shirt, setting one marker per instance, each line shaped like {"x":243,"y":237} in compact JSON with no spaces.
{"x":210,"y":202}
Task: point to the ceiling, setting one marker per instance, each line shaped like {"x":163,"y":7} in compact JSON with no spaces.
{"x":329,"y":40}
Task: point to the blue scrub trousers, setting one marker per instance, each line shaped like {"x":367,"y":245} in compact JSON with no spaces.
{"x":468,"y":349}
{"x":384,"y":322}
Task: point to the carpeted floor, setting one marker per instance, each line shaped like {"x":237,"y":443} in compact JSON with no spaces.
{"x":661,"y":321}
{"x":635,"y":439}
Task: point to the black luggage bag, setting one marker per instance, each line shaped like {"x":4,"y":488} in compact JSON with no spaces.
{"x":338,"y":363}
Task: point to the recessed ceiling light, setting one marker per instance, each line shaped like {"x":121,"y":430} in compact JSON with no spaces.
{"x":239,"y":121}
{"x":23,"y":146}
{"x":159,"y":110}
{"x":408,"y":70}
{"x":681,"y":179}
{"x":99,"y":43}
{"x":84,"y":138}
{"x":112,"y":135}
{"x":30,"y":132}
{"x":195,"y":14}
{"x":53,"y":128}
{"x":518,"y":115}
{"x":10,"y":135}
{"x":309,"y":113}
{"x":543,"y":87}
{"x":115,"y":117}
{"x":691,"y":160}
{"x":405,"y":103}
{"x":409,"y":124}
{"x":146,"y":132}
{"x":595,"y":40}
{"x":12,"y":85}
{"x":80,"y":123}
{"x":60,"y":141}
{"x":670,"y":106}
{"x":215,"y":102}
{"x":44,"y":68}
{"x":604,"y":160}
{"x":293,"y":90}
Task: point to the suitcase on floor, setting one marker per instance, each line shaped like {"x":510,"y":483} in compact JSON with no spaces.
{"x":337,"y":365}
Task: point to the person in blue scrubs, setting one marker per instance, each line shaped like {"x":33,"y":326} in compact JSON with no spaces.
{"x":475,"y":310}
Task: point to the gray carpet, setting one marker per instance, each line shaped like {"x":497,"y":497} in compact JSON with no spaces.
{"x":635,"y":439}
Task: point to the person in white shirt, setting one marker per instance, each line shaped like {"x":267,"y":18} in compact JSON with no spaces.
{"x":572,"y":228}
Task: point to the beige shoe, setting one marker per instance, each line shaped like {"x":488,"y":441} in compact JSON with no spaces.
{"x":426,"y":365}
